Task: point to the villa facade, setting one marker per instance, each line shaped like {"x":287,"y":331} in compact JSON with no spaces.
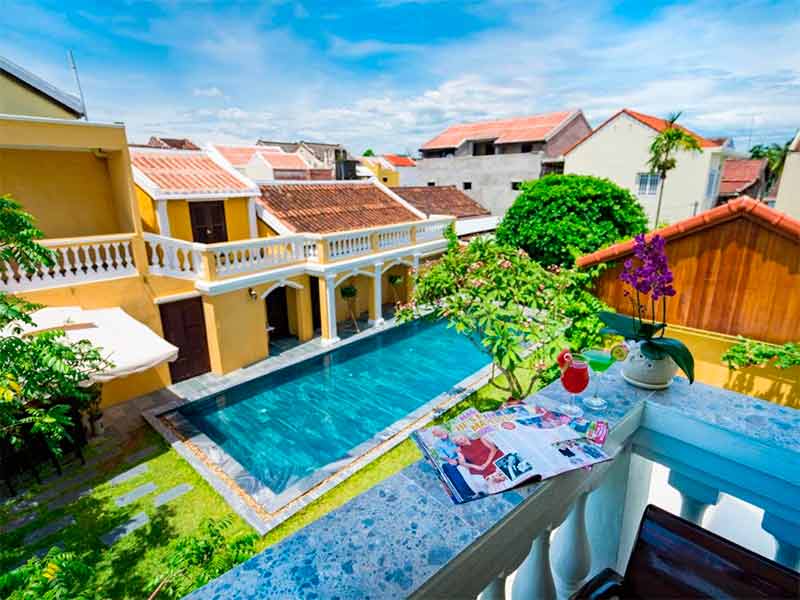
{"x":218,"y":264}
{"x":788,"y":198}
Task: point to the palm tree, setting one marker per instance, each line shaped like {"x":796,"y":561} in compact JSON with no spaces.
{"x":666,"y":145}
{"x":776,"y":157}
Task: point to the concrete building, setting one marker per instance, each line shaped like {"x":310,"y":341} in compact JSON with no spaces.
{"x":743,"y":177}
{"x":271,"y":162}
{"x":471,"y":218}
{"x":619,"y":149}
{"x":391,"y":169}
{"x":23,"y":93}
{"x":489,"y":160}
{"x":788,"y":199}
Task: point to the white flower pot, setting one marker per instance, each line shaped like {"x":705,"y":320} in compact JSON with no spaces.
{"x":646,"y":373}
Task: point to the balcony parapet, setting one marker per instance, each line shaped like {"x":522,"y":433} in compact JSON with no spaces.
{"x":403,"y":537}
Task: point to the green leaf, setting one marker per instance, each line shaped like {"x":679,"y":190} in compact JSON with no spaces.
{"x":676,"y":350}
{"x":628,"y":327}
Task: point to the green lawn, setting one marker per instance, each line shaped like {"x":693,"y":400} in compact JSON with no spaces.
{"x":127,"y":569}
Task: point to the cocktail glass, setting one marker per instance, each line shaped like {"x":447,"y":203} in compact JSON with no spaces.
{"x":575,"y":379}
{"x":599,"y":361}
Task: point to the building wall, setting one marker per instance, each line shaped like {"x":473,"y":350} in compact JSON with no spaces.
{"x":788,"y":199}
{"x":576,"y":130}
{"x":409,"y":176}
{"x":735,"y":278}
{"x":70,"y":193}
{"x":620,"y":150}
{"x":491,"y":176}
{"x":18,"y":99}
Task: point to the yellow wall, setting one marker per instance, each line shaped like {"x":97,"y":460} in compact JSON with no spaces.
{"x":389,"y":177}
{"x":265,"y":230}
{"x":180,"y":223}
{"x":69,"y":193}
{"x":18,"y":99}
{"x":147,"y":209}
{"x":237,"y":219}
{"x":135,"y":295}
{"x":363,"y":298}
{"x":781,"y":386}
{"x":392,"y":294}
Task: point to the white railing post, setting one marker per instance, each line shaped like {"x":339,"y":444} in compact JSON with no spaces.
{"x":330,"y":297}
{"x":696,"y":497}
{"x":572,"y":558}
{"x":377,"y":294}
{"x":534,"y":578}
{"x":787,"y":540}
{"x":496,"y":590}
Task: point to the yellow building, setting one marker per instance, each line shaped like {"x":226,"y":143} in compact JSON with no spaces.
{"x":185,"y":244}
{"x":384,"y":171}
{"x":23,"y":93}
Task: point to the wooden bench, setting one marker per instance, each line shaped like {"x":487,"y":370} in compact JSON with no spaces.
{"x":674,"y":558}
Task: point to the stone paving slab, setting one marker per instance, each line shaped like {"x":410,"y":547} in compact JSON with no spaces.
{"x":135,"y":494}
{"x":139,"y":520}
{"x":69,"y":498}
{"x":49,"y":529}
{"x":23,"y":505}
{"x":129,"y":474}
{"x":17,"y":523}
{"x":171,"y":494}
{"x":141,"y":454}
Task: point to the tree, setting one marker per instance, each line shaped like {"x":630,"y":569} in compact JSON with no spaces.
{"x":559,"y":217}
{"x":504,"y":302}
{"x":369,"y":152}
{"x":663,"y":153}
{"x":56,"y":576}
{"x":41,"y":373}
{"x":776,"y":157}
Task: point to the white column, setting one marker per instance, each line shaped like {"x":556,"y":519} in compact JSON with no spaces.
{"x":572,"y":558}
{"x":330,"y":288}
{"x":534,"y":578}
{"x":252,"y":217}
{"x":787,"y":540}
{"x":496,"y":590}
{"x":696,"y":497}
{"x":162,"y":218}
{"x":377,"y":294}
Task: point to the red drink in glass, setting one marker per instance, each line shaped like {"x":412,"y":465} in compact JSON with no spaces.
{"x":575,"y":377}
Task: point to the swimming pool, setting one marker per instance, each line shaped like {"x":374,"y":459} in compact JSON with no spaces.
{"x":290,"y":428}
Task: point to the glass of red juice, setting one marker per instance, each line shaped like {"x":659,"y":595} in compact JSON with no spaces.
{"x":575,"y":379}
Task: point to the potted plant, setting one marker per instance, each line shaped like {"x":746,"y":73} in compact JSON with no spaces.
{"x":653,"y":359}
{"x":349,"y":293}
{"x":395,"y":281}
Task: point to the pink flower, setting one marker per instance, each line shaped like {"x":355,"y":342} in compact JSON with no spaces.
{"x":521,"y":253}
{"x":505,"y":264}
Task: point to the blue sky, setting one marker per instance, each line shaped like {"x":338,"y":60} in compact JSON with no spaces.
{"x":389,"y":74}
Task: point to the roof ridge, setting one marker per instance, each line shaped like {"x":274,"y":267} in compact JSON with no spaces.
{"x":743,"y":204}
{"x":69,"y":101}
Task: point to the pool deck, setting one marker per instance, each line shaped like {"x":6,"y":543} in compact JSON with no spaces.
{"x":245,"y":493}
{"x":390,"y":541}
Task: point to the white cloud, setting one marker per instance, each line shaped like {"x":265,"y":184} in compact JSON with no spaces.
{"x":361,"y":49}
{"x":209,"y":92}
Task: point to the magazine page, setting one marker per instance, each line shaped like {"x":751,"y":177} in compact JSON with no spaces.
{"x":486,"y":453}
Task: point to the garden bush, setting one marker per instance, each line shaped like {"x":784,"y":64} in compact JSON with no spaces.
{"x":557,"y":218}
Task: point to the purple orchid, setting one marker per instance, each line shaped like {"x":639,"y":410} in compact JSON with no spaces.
{"x":652,"y":276}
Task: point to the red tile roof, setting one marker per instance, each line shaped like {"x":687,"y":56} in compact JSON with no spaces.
{"x":523,"y":129}
{"x":284,"y":161}
{"x":738,"y":175}
{"x":239,"y":156}
{"x":400,"y":161}
{"x":326,"y":208}
{"x":654,"y":123}
{"x":742,"y":207}
{"x":441,"y":200}
{"x":185,"y":171}
{"x":174,"y":143}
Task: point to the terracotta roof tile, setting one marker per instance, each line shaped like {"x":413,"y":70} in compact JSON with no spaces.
{"x":738,"y":175}
{"x":523,"y":129}
{"x":174,"y":143}
{"x":441,"y":200}
{"x":741,"y":207}
{"x":654,"y":123}
{"x":239,"y":156}
{"x":284,"y":160}
{"x":400,"y":161}
{"x":326,"y":208}
{"x":191,"y":172}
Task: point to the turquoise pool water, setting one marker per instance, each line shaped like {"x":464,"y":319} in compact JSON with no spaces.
{"x":286,"y":425}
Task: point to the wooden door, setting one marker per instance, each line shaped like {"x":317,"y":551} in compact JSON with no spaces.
{"x":315,"y":314}
{"x":208,"y":222}
{"x":185,"y":327}
{"x":278,"y":313}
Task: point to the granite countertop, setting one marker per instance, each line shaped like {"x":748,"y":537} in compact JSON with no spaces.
{"x":392,"y":538}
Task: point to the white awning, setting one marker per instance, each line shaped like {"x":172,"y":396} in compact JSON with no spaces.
{"x":130,"y":345}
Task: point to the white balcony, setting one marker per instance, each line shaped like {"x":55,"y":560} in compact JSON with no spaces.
{"x":405,"y":538}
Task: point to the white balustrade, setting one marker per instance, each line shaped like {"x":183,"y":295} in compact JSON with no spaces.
{"x":395,"y":237}
{"x":348,"y":245}
{"x":572,"y":558}
{"x":310,"y":250}
{"x":75,"y":261}
{"x":534,"y":578}
{"x":257,"y":255}
{"x":171,"y":257}
{"x":431,"y":230}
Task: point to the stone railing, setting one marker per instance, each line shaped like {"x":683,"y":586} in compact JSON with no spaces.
{"x":551,"y":536}
{"x":250,"y":256}
{"x":84,"y":260}
{"x":172,"y":257}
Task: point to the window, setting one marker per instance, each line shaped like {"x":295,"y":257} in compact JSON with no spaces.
{"x":647,"y":183}
{"x":515,"y":185}
{"x":467,"y":185}
{"x":385,"y":179}
{"x":713,"y":180}
{"x":431,"y":184}
{"x":552,"y":167}
{"x":526,"y":147}
{"x":482,"y":148}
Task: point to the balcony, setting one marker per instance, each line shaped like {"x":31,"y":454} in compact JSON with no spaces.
{"x":404,"y":537}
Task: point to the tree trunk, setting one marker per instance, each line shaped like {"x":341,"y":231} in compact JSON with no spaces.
{"x":660,"y":196}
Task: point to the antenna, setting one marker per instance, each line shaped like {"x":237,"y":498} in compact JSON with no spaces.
{"x":78,"y":81}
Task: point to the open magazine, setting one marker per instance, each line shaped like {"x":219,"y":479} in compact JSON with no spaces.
{"x":480,"y":453}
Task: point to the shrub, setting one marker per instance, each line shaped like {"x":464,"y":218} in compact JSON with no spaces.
{"x":560,"y":217}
